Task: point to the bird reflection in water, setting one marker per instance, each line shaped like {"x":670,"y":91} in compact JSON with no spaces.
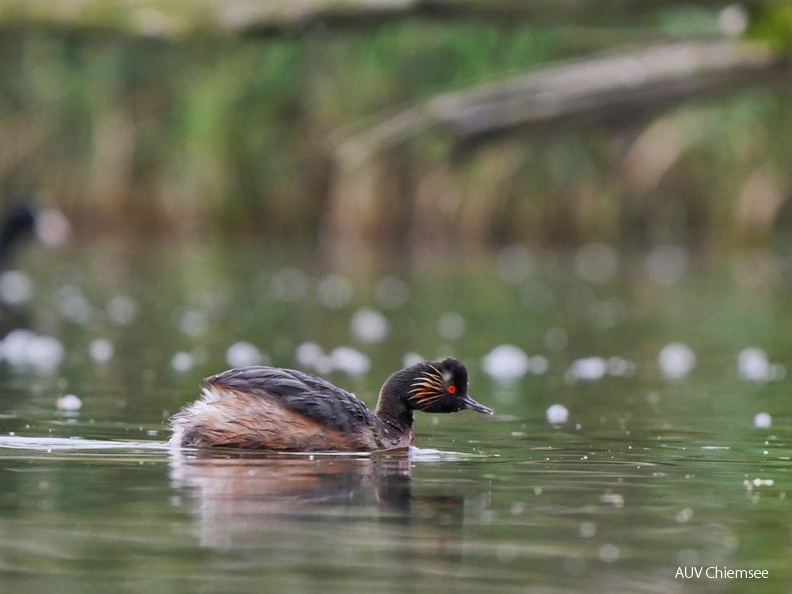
{"x":243,"y":499}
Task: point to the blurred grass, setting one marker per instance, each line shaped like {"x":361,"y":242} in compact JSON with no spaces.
{"x":234,"y":137}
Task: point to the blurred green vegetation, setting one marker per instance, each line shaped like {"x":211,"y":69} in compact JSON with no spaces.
{"x":228,"y":137}
{"x":772,"y":24}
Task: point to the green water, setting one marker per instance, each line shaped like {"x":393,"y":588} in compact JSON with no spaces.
{"x":648,"y":475}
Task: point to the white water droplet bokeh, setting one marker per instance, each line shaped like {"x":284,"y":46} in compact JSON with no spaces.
{"x":557,"y":414}
{"x":244,"y":354}
{"x":101,"y":350}
{"x":588,"y":369}
{"x":350,"y":361}
{"x":69,"y":403}
{"x":182,"y":361}
{"x":762,"y":420}
{"x":753,"y":365}
{"x":676,"y":360}
{"x":122,"y":310}
{"x":369,"y":326}
{"x":506,"y":363}
{"x":16,"y":288}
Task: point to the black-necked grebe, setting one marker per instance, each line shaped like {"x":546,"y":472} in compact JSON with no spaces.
{"x":269,"y":408}
{"x":18,"y":222}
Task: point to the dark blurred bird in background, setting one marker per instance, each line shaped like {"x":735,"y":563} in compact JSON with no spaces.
{"x":21,"y":222}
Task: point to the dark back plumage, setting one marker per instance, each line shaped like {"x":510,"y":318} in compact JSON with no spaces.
{"x":306,"y":394}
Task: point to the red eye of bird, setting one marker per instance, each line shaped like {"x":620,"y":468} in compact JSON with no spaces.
{"x":451,"y":389}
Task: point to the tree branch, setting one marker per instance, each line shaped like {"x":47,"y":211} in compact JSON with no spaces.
{"x":606,"y":89}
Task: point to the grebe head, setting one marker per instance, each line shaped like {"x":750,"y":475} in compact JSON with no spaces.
{"x":434,"y":387}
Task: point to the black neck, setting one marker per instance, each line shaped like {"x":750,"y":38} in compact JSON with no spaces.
{"x":395,"y":415}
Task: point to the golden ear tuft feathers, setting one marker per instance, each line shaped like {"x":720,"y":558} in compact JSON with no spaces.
{"x":430,"y":386}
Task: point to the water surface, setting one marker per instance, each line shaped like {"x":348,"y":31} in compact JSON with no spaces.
{"x":660,"y":463}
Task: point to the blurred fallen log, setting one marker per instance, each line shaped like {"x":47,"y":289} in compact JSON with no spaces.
{"x":599,"y":90}
{"x":616,"y":89}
